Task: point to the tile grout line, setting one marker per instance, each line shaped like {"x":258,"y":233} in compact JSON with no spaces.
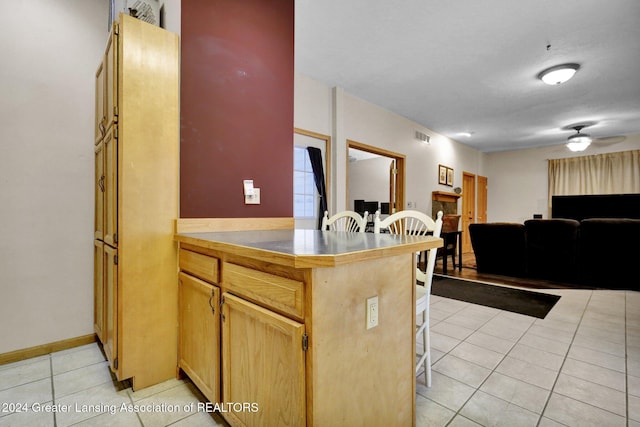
{"x":506,"y":354}
{"x":53,"y":390}
{"x":626,"y":360}
{"x":494,"y":370}
{"x":133,"y":403}
{"x":476,"y":389}
{"x":564,"y":360}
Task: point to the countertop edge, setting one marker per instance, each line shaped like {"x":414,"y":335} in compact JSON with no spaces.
{"x":310,"y":260}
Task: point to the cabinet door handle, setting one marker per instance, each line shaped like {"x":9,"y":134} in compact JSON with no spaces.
{"x":211,"y":304}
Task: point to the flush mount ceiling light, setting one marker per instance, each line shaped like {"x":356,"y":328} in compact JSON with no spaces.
{"x":579,"y":141}
{"x":558,"y":74}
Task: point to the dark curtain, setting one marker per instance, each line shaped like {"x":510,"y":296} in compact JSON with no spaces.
{"x":315,"y":154}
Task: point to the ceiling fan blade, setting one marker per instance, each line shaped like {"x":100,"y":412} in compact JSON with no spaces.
{"x":610,"y":140}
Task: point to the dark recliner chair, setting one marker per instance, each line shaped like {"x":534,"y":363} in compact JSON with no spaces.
{"x":503,"y":238}
{"x":609,"y":252}
{"x":552,"y":249}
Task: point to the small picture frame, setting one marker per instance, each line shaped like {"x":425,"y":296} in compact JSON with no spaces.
{"x":450,"y":177}
{"x":442,"y":174}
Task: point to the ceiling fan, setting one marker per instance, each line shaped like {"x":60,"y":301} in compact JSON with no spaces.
{"x":580,"y":141}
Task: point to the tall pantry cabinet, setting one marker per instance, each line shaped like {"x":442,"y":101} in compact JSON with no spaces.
{"x":136,"y":203}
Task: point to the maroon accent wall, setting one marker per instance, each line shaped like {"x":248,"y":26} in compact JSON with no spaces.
{"x":236,"y":107}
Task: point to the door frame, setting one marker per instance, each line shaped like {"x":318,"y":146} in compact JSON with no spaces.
{"x":468,"y":198}
{"x":327,"y":158}
{"x":400,"y":160}
{"x":482,"y":183}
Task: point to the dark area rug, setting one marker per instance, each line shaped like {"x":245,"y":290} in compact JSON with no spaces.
{"x":536,"y":304}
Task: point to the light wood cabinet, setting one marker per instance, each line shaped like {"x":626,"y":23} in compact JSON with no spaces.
{"x":137,"y":157}
{"x":100,"y":104}
{"x":98,"y":289}
{"x":294,"y":339}
{"x":199,"y":350}
{"x":106,"y":87}
{"x":260,"y":345}
{"x":280,"y":294}
{"x":109,"y":187}
{"x":255,"y":334}
{"x":99,"y":184}
{"x":111,"y":67}
{"x":110,"y":306}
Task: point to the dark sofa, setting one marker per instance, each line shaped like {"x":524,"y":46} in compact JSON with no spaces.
{"x":592,"y":252}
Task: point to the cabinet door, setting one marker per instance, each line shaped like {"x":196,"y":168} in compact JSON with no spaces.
{"x":98,"y":289}
{"x":99,"y":184}
{"x":111,"y":79}
{"x":263,"y":364}
{"x":111,"y":187}
{"x":110,"y":343}
{"x":100,"y":120}
{"x":199,"y":319}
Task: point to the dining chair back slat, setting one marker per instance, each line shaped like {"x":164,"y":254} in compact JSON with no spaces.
{"x":348,"y":221}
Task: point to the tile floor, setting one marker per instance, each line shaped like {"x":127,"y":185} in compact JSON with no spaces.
{"x":580,"y":366}
{"x":78,"y":385}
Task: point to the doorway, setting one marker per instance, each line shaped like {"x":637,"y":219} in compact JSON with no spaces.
{"x":468,"y":213}
{"x":482,"y":199}
{"x":395,"y":168}
{"x":306,"y":197}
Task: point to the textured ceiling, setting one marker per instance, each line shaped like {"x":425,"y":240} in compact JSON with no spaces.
{"x":470,"y":66}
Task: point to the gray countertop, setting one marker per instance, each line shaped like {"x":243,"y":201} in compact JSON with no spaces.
{"x":308,"y":248}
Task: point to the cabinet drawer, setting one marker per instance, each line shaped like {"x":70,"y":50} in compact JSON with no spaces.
{"x":202,"y":266}
{"x":278,"y":293}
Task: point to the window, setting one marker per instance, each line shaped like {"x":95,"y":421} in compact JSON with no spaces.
{"x":305,"y":195}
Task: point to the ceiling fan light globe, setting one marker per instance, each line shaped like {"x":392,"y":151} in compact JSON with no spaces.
{"x":578,"y":145}
{"x":558,"y":74}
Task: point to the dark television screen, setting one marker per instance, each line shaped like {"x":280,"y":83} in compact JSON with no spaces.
{"x":596,"y":206}
{"x":371,"y":207}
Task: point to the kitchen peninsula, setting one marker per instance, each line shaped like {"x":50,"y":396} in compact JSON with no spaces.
{"x":277,"y":320}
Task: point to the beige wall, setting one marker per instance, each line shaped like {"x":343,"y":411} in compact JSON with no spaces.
{"x":322,"y":109}
{"x":50,"y":51}
{"x":369,"y":180}
{"x":518,"y":179}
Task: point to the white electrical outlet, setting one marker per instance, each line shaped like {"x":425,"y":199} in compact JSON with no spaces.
{"x":253,"y":199}
{"x":372,"y":312}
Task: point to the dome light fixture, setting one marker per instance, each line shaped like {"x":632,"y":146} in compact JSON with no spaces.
{"x":558,"y":74}
{"x":578,"y":142}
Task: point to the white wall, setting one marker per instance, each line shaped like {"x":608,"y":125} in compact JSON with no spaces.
{"x":50,"y":51}
{"x":312,"y":105}
{"x":518,"y":179}
{"x":343,"y":116}
{"x":173,"y":15}
{"x":171,"y":8}
{"x":369,"y":180}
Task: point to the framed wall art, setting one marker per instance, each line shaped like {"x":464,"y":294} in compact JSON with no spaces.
{"x":442,"y":174}
{"x":450,"y":177}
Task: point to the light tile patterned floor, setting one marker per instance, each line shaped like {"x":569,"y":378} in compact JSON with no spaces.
{"x":580,"y":366}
